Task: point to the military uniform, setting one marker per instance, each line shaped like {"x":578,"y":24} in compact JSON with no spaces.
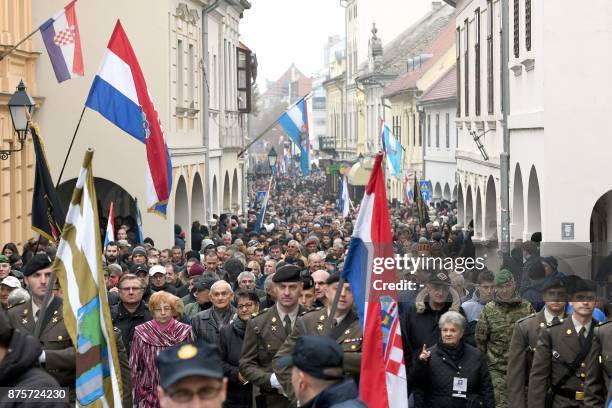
{"x":493,"y":335}
{"x":522,"y":346}
{"x":264,"y":336}
{"x":60,"y":354}
{"x":347,"y":334}
{"x":557,"y":348}
{"x":604,"y":369}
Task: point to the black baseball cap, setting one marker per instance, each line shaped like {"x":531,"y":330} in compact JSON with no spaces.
{"x":318,"y":356}
{"x":187,"y":360}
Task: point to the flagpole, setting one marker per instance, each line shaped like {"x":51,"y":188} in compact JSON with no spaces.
{"x":59,"y":179}
{"x":14,"y":47}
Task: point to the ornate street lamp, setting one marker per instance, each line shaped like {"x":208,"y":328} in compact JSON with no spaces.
{"x":272,"y":158}
{"x":21,"y":107}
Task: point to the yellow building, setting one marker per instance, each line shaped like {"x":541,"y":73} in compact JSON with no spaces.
{"x":17,"y":172}
{"x":403,"y":117}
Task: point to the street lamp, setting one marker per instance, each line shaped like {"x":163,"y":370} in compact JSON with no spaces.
{"x":272,"y":158}
{"x":21,"y":106}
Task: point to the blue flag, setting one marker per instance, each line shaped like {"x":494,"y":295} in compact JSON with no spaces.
{"x":295,"y":123}
{"x":393,"y":150}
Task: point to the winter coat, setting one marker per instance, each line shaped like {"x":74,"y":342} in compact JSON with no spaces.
{"x":206,"y":328}
{"x":434,"y":378}
{"x":167,"y":288}
{"x":342,"y":394}
{"x":20,"y":368}
{"x":230,"y":347}
{"x":126,"y":322}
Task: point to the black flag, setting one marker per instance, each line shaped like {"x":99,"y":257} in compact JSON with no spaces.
{"x":47,"y":214}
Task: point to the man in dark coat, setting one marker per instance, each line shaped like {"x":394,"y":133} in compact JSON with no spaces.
{"x":157,"y":280}
{"x":317,"y":374}
{"x":132,"y":310}
{"x":206,"y":324}
{"x":19,"y":367}
{"x":231,"y":337}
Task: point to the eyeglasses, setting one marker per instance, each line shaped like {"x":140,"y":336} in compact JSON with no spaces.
{"x":183,"y":395}
{"x":131,"y":289}
{"x":164,"y":309}
{"x":245,"y":306}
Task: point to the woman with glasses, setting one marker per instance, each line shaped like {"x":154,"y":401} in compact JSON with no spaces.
{"x":150,"y":339}
{"x":239,"y":391}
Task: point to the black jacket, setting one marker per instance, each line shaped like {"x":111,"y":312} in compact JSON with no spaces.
{"x":206,"y":328}
{"x":342,"y":394}
{"x":126,"y":322}
{"x":168,"y":288}
{"x":434,"y":379}
{"x":230,"y":347}
{"x":188,"y":298}
{"x":20,"y":368}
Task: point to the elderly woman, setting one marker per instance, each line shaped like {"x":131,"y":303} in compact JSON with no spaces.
{"x":451,"y":374}
{"x":149,"y":340}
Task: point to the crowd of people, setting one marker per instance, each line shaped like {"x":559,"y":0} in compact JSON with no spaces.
{"x":239,"y":315}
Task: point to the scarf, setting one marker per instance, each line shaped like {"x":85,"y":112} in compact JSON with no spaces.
{"x":454,"y":352}
{"x":220,"y":317}
{"x":238,"y":325}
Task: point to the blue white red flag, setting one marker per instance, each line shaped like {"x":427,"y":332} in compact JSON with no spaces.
{"x":295,"y":123}
{"x":139,"y":223}
{"x":62,"y":40}
{"x":383,"y":369}
{"x":110,"y":226}
{"x":393,"y":149}
{"x":119,"y":93}
{"x":344,"y":200}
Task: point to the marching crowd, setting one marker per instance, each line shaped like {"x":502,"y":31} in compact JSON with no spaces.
{"x":240,"y":315}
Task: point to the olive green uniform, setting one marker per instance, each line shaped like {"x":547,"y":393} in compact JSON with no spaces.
{"x":557,"y":348}
{"x":603,"y":371}
{"x":347,"y":334}
{"x":264,"y":336}
{"x":493,"y":335}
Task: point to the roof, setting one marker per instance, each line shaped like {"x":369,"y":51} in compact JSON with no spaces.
{"x":412,"y":42}
{"x":242,"y":46}
{"x":444,"y":40}
{"x":280,"y":86}
{"x":444,"y":88}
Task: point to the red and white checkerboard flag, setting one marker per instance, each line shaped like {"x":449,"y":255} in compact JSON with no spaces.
{"x":61,"y":36}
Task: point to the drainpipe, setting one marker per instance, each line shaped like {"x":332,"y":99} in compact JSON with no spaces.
{"x":205,"y":104}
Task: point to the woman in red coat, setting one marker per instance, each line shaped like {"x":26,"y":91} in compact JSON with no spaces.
{"x":149,"y":340}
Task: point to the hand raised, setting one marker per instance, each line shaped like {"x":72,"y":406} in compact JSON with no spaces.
{"x":424,"y":356}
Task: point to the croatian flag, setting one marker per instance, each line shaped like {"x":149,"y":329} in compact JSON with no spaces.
{"x":393,"y":149}
{"x":295,"y":123}
{"x":383,"y":369}
{"x":344,"y":200}
{"x":61,"y":36}
{"x":119,"y":93}
{"x":110,"y":226}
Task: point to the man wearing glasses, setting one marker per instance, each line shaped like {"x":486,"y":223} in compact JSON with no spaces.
{"x":131,"y":310}
{"x":191,"y":375}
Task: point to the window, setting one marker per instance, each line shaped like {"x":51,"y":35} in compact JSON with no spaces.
{"x":517,"y":41}
{"x":448,"y":130}
{"x":191,"y":75}
{"x":215,"y":83}
{"x":428,"y":130}
{"x":490,"y":95}
{"x":413,"y":129}
{"x":477,"y":61}
{"x":528,"y":25}
{"x":225,"y":70}
{"x":466,"y":57}
{"x":179,"y":73}
{"x":458,"y":65}
{"x":243,"y":57}
{"x":437,"y":130}
{"x":355,"y":12}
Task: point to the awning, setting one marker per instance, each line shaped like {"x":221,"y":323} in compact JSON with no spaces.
{"x":359,"y":174}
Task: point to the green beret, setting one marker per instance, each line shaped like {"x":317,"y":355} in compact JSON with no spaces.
{"x":503,"y":276}
{"x":4,"y":259}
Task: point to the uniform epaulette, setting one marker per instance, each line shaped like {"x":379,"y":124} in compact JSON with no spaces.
{"x":260,"y":312}
{"x":21,"y":302}
{"x":560,"y":322}
{"x":604,"y":323}
{"x":316,"y":309}
{"x":525,"y":318}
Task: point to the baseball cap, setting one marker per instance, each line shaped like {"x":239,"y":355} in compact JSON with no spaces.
{"x":318,"y":356}
{"x":157,"y":269}
{"x":187,"y":360}
{"x":439,"y":278}
{"x":11,"y":282}
{"x":136,"y":269}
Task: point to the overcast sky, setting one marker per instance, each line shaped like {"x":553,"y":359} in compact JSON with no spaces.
{"x":284,"y":31}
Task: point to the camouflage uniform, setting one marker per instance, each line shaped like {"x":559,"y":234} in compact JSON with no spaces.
{"x":493,"y":336}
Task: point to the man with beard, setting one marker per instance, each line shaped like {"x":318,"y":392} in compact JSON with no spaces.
{"x":111,"y":255}
{"x":177,"y":256}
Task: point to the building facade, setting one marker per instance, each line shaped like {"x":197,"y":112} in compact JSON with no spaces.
{"x":17,"y":171}
{"x":195,"y":94}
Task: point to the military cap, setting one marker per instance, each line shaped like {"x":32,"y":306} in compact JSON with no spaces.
{"x":308,"y":282}
{"x":38,"y":262}
{"x":334,"y":278}
{"x":318,"y":356}
{"x":552,"y":283}
{"x":576,"y":284}
{"x":187,"y":360}
{"x":503,"y":276}
{"x":287,"y":273}
{"x":4,"y":259}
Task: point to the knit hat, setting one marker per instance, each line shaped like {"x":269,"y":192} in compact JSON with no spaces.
{"x":503,"y":276}
{"x":139,"y":251}
{"x":196,"y":270}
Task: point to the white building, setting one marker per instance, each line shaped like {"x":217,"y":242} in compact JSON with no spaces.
{"x":168,"y":41}
{"x":439,"y":107}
